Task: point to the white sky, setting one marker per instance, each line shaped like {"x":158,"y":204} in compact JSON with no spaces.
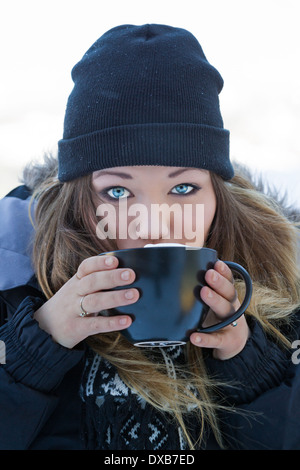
{"x":254,"y":44}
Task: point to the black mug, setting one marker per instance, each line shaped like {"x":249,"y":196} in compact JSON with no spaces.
{"x":169,"y":279}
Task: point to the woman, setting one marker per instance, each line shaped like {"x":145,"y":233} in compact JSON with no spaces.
{"x":143,"y":123}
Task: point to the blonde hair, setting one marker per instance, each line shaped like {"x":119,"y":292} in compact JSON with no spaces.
{"x":248,"y":228}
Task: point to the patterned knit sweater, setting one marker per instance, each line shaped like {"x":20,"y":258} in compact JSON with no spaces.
{"x":117,"y":418}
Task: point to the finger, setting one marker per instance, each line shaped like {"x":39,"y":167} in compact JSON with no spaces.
{"x":96,"y":263}
{"x":94,"y":325}
{"x":226,"y":336}
{"x":221,"y":285}
{"x":102,"y":280}
{"x":208,"y":340}
{"x":224,"y":270}
{"x":225,"y":343}
{"x":94,"y":303}
{"x":218,"y":304}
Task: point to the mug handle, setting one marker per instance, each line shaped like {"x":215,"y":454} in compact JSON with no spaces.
{"x":247,"y":279}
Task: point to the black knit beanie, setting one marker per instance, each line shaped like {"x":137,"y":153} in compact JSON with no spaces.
{"x":144,"y":95}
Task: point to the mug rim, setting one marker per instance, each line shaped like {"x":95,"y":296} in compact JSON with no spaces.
{"x":186,"y":247}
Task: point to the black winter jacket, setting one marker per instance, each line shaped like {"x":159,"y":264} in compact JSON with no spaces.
{"x":40,"y":380}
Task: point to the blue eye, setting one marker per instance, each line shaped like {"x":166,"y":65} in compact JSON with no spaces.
{"x":183,"y":188}
{"x":118,"y":192}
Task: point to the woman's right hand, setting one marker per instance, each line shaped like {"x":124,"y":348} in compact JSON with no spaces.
{"x":60,"y":315}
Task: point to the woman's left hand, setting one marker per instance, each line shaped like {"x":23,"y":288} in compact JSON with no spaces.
{"x":221,"y":296}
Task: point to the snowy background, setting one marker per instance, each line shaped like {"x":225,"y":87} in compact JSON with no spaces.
{"x":254,"y":44}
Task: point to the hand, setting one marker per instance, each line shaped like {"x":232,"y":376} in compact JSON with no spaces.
{"x":60,"y":315}
{"x":222,"y":299}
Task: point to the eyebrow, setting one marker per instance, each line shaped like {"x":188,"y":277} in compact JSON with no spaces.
{"x":114,"y":173}
{"x":129,"y":177}
{"x":178,"y":172}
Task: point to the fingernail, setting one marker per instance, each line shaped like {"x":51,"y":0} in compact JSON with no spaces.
{"x":210,"y":294}
{"x":197,"y":339}
{"x":215,"y":276}
{"x":125,"y":275}
{"x":109,"y":261}
{"x":123,"y":321}
{"x":129,"y":294}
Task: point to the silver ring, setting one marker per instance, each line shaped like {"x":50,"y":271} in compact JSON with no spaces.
{"x":83,"y":313}
{"x":234,"y":323}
